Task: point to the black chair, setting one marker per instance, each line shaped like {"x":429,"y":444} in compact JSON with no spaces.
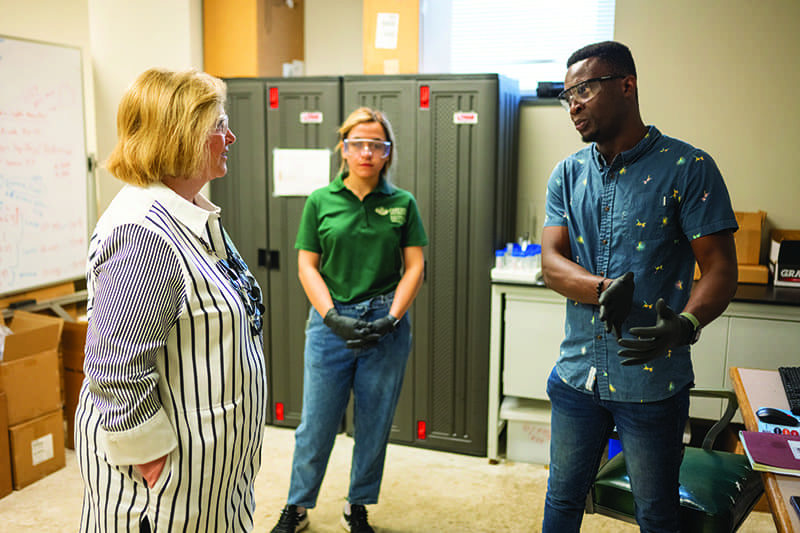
{"x":717,"y":489}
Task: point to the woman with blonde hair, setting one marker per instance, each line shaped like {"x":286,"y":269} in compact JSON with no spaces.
{"x":361,"y":265}
{"x":171,"y":416}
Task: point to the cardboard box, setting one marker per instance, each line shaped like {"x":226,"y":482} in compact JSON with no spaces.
{"x":29,"y":371}
{"x":33,"y":333}
{"x":73,"y":381}
{"x":267,"y":35}
{"x":73,"y":344}
{"x":749,"y":237}
{"x":747,"y":274}
{"x":37,"y":448}
{"x":784,"y":257}
{"x":6,"y":486}
{"x":32,"y":384}
{"x":391,"y":36}
{"x":754,"y":274}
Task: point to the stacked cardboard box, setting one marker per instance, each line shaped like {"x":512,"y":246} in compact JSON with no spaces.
{"x":73,"y":342}
{"x":748,"y":247}
{"x":749,"y":239}
{"x":6,"y":484}
{"x":29,"y":379}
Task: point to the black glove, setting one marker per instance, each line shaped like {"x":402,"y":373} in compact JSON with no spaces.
{"x":375,"y":330}
{"x":383,"y":326}
{"x":616,"y":302}
{"x":346,"y":327}
{"x":671,"y":330}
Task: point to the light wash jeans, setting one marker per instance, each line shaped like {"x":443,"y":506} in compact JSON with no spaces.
{"x":375,"y":375}
{"x":651,"y":435}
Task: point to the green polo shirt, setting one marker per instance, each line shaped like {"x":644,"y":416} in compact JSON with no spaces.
{"x":360,"y":243}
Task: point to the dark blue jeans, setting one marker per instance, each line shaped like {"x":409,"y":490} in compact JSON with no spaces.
{"x":651,"y":436}
{"x":332,"y":371}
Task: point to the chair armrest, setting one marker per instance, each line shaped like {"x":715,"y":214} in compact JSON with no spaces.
{"x":730,"y":410}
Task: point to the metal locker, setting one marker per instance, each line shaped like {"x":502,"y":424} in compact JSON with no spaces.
{"x":286,"y":100}
{"x":456,"y":137}
{"x":273,"y":113}
{"x":392,"y":99}
{"x":466,"y":154}
{"x":242,"y":193}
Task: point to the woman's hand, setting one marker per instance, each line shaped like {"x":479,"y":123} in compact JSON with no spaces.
{"x":152,"y":470}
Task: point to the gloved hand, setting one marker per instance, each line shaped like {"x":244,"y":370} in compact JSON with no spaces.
{"x":383,"y":326}
{"x":375,"y":330}
{"x":346,"y":327}
{"x":671,"y":330}
{"x":616,"y":302}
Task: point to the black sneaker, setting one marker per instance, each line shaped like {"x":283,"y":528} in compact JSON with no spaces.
{"x":291,"y":521}
{"x":356,"y":521}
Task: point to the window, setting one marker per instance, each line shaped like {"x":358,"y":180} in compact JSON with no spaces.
{"x":529,"y":40}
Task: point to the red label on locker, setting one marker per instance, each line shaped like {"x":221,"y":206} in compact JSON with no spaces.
{"x":424,"y":97}
{"x":421,"y":430}
{"x":273,"y":97}
{"x":311,"y":117}
{"x":278,"y":411}
{"x":461,"y":117}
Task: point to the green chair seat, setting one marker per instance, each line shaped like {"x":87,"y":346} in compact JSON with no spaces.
{"x":717,"y":490}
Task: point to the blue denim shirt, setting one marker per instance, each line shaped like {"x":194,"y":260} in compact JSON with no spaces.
{"x":638,"y":214}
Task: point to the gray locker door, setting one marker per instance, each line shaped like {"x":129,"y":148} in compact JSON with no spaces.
{"x":285,"y":99}
{"x":242,"y":193}
{"x":392,"y":95}
{"x":456,"y":167}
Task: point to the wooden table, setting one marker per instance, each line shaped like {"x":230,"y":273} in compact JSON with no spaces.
{"x":762,"y":388}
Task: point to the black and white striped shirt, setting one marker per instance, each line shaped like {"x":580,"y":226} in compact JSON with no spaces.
{"x":172,"y":368}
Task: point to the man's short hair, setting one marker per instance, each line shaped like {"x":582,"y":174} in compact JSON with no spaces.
{"x":615,"y":54}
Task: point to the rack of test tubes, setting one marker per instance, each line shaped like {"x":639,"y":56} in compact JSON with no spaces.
{"x":519,"y":262}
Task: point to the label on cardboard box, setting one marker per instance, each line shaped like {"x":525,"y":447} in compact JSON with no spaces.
{"x":42,"y":449}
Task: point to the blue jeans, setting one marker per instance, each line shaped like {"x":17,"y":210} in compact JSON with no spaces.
{"x":651,"y":436}
{"x":375,"y":375}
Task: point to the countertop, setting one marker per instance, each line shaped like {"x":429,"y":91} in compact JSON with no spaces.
{"x":745,"y":292}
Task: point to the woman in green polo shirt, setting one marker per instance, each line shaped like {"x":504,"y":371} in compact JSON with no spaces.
{"x":361,"y":265}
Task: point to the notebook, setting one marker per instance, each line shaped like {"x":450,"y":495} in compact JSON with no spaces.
{"x":772,"y":452}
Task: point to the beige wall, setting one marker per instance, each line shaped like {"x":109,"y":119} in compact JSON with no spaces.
{"x":126,"y":39}
{"x":64,"y":22}
{"x":333,"y":37}
{"x":119,"y":39}
{"x":719,"y":74}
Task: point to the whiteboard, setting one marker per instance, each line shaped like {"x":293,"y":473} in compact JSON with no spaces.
{"x":43,"y":165}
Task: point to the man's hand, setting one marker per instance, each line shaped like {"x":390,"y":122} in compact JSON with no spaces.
{"x":346,"y":327}
{"x":616,"y":302}
{"x":671,"y":330}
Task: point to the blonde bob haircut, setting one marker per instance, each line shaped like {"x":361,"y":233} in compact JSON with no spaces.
{"x":364,"y":115}
{"x":163,"y":123}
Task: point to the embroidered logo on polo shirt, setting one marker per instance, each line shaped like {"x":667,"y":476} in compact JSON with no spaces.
{"x":397,"y":215}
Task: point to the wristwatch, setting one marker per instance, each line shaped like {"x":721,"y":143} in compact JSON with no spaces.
{"x":696,"y":327}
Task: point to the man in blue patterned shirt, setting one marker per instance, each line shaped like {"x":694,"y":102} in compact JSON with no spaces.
{"x":627,"y":217}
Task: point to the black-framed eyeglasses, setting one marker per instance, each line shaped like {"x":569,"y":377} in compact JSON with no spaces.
{"x":245,"y":284}
{"x":584,"y":91}
{"x":357,"y":146}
